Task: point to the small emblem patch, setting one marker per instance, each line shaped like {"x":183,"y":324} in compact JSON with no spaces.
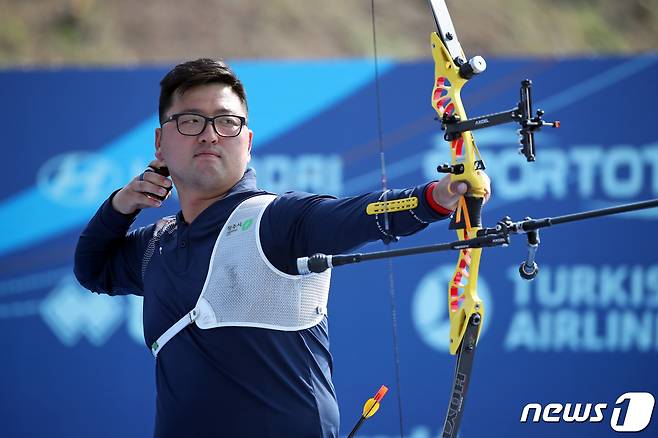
{"x":244,"y":226}
{"x":247,"y":224}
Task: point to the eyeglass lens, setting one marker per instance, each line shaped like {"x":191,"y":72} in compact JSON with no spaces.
{"x":193,"y":124}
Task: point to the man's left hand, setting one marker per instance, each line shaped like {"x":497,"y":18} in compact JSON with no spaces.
{"x":447,"y":193}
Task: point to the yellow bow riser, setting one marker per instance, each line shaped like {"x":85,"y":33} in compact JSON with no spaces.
{"x":463,"y":300}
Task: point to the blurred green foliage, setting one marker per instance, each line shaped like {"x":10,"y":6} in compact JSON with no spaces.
{"x":91,"y":32}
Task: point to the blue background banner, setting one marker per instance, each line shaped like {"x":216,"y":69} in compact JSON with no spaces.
{"x":585,"y":331}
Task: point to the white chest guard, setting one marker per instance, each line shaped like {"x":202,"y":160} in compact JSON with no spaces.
{"x":244,"y":289}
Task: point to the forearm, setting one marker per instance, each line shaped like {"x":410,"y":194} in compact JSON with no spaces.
{"x":105,"y":259}
{"x":342,"y":224}
{"x":299,"y":225}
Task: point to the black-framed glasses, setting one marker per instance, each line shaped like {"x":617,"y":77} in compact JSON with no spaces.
{"x":225,"y":125}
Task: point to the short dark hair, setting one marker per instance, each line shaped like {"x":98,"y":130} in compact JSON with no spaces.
{"x":199,"y":72}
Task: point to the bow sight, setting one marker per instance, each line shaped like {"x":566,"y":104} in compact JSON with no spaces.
{"x":522,"y":114}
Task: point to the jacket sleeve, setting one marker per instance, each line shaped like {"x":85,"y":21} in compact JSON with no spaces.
{"x":107,"y":257}
{"x":301,"y":224}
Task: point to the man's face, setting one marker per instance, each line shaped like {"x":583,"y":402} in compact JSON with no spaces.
{"x":205,"y":163}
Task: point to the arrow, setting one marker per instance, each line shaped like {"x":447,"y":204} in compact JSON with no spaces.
{"x":370,"y":407}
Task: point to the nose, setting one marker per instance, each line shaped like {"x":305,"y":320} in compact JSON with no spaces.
{"x":209,"y":134}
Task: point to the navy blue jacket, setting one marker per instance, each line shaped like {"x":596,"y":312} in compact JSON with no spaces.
{"x":235,"y":381}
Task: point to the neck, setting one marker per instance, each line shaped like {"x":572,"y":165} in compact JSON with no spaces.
{"x":193,"y":205}
{"x":194,"y":201}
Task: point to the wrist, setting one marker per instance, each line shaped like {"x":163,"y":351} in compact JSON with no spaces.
{"x":115,"y":203}
{"x":429,"y":197}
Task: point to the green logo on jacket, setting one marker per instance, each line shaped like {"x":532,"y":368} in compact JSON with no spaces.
{"x":246,"y":224}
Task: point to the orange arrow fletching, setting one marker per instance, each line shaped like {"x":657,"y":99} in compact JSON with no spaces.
{"x":372,"y":405}
{"x":381,"y":393}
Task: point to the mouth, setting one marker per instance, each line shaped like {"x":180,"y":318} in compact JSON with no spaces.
{"x":207,"y":154}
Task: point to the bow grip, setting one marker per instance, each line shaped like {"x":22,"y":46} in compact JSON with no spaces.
{"x":468,"y":214}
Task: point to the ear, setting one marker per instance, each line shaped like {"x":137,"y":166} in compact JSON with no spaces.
{"x":158,"y":139}
{"x":251,"y":137}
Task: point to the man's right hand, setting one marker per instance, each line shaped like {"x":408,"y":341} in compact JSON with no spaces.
{"x":139,"y":193}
